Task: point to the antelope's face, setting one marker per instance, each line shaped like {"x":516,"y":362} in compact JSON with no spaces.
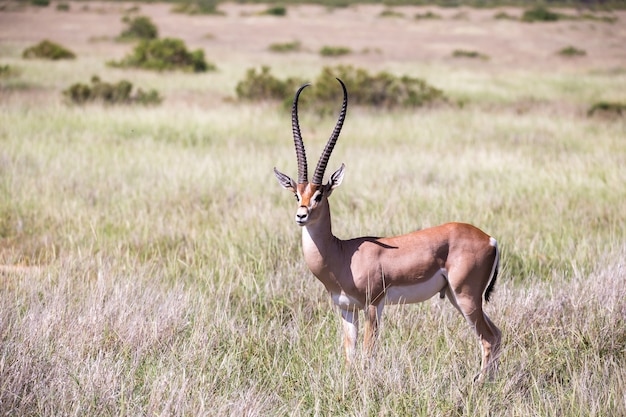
{"x":312,"y":196}
{"x":309,"y":198}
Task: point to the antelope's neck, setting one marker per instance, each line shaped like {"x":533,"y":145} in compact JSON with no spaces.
{"x":321,"y":249}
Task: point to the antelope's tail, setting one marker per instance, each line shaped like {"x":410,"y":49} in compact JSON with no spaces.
{"x":494,"y":271}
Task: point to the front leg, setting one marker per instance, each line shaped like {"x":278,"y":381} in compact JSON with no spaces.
{"x":372,"y":315}
{"x":350,"y":322}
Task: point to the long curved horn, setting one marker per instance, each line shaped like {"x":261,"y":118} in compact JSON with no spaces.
{"x":297,"y":139}
{"x":318,"y":177}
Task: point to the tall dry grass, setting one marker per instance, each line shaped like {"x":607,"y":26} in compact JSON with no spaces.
{"x":94,"y":338}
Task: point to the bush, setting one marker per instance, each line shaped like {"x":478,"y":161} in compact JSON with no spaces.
{"x":571,"y":51}
{"x":606,"y":107}
{"x":63,"y":7}
{"x":140,"y":27}
{"x":427,"y":15}
{"x":40,"y":3}
{"x":380,"y":90}
{"x":48,"y":50}
{"x":390,"y":13}
{"x":275,"y":11}
{"x":540,"y":14}
{"x":5,"y":71}
{"x":462,"y":53}
{"x":335,"y":51}
{"x":198,"y":7}
{"x":264,"y":86}
{"x":119,"y":93}
{"x":504,"y":16}
{"x":165,"y":54}
{"x":294,"y":46}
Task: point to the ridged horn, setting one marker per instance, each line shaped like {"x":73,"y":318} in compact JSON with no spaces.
{"x":318,"y":177}
{"x":297,"y":139}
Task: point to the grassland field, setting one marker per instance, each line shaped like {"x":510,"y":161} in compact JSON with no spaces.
{"x":150,"y":265}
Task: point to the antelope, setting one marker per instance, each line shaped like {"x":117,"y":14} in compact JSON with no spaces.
{"x":457,"y":260}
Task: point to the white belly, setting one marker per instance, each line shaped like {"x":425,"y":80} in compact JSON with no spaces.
{"x":416,"y":293}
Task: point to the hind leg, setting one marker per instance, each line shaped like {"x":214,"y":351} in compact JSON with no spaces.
{"x":490,"y":361}
{"x":488,"y":333}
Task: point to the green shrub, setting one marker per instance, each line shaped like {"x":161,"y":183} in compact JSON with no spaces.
{"x":462,"y":53}
{"x":380,"y":90}
{"x":5,"y":71}
{"x":107,"y":93}
{"x":40,"y":3}
{"x":571,"y":51}
{"x":294,"y":46}
{"x":140,"y":27}
{"x":198,"y":7}
{"x":48,"y":50}
{"x":335,"y":51}
{"x":63,"y":7}
{"x":390,"y":13}
{"x":540,"y":14}
{"x":504,"y":16}
{"x":427,"y":15}
{"x":264,"y":86}
{"x":165,"y":54}
{"x":275,"y":11}
{"x":606,"y":107}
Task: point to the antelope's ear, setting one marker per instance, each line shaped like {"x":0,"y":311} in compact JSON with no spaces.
{"x":335,"y":179}
{"x":285,"y":181}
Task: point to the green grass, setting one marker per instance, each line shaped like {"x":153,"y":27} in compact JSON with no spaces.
{"x":162,"y":272}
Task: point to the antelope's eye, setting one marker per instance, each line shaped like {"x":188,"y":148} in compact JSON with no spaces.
{"x":296,"y":196}
{"x":318,"y":197}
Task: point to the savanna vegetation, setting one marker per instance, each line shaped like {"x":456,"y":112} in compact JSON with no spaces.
{"x":47,"y":49}
{"x":165,"y":54}
{"x":571,"y":51}
{"x":464,"y":53}
{"x":138,"y":27}
{"x":104,"y":92}
{"x":382,"y":90}
{"x":150,"y":265}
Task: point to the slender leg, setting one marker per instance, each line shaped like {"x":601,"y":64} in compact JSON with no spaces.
{"x":486,"y":331}
{"x":372,"y":314}
{"x":490,"y":360}
{"x":350,"y":322}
